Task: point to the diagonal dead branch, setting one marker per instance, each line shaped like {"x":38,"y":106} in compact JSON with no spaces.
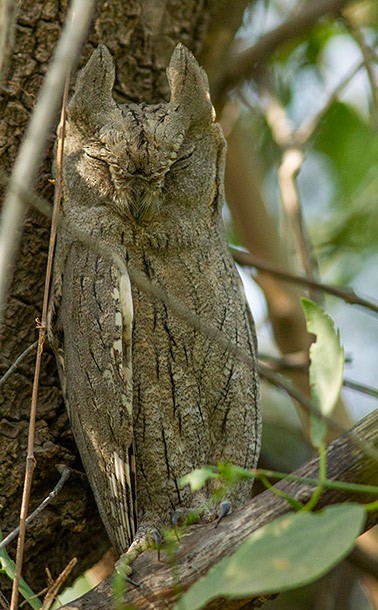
{"x":18,"y":361}
{"x":346,"y":294}
{"x":65,"y":473}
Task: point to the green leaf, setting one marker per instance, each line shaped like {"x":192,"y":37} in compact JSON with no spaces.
{"x":232,"y":474}
{"x":198,"y":478}
{"x":9,"y":567}
{"x":327,"y":366}
{"x":290,"y":552}
{"x":352,"y":147}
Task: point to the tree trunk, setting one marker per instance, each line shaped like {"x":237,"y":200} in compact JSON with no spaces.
{"x":141,"y":35}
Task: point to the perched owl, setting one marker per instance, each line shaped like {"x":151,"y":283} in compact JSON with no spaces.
{"x":150,"y":397}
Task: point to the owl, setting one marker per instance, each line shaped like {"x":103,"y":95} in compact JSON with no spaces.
{"x":150,"y":396}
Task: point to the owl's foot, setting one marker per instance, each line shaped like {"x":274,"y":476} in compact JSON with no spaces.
{"x":184,"y":516}
{"x":225,"y":508}
{"x":144,"y":540}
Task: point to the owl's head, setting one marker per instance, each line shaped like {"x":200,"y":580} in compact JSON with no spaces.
{"x":132,"y":156}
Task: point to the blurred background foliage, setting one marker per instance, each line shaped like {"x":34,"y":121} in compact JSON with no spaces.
{"x":338,"y":190}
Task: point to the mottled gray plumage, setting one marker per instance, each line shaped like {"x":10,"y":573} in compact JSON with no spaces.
{"x":149,"y":397}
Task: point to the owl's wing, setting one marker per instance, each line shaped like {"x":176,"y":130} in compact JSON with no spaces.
{"x":91,"y":321}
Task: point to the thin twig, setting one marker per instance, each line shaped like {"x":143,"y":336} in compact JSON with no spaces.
{"x":346,"y":294}
{"x":30,"y":198}
{"x":32,"y":148}
{"x":285,"y":385}
{"x":144,"y":284}
{"x":13,"y":534}
{"x":30,"y":460}
{"x":53,"y":590}
{"x":299,"y":361}
{"x":18,"y":361}
{"x":361,"y":387}
{"x":243,"y":258}
{"x":4,"y":602}
{"x":305,"y":131}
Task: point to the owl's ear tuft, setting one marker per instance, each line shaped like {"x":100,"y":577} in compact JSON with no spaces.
{"x":189,"y":85}
{"x":92,"y":99}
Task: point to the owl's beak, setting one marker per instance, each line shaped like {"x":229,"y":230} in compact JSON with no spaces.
{"x":143,"y":198}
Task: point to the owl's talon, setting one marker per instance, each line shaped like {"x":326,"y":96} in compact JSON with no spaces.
{"x":225,"y":509}
{"x":178,"y":517}
{"x":150,"y":539}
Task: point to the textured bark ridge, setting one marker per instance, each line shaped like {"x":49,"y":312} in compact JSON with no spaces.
{"x":149,"y":397}
{"x":71,"y":525}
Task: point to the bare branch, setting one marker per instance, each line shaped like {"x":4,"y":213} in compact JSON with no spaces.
{"x":346,"y":294}
{"x":65,"y":473}
{"x":18,"y":361}
{"x":31,"y":151}
{"x":55,"y":587}
{"x":206,"y":545}
{"x":300,"y":362}
{"x":361,"y":387}
{"x":305,"y":131}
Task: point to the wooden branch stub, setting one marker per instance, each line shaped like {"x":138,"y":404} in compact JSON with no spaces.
{"x":205,"y":545}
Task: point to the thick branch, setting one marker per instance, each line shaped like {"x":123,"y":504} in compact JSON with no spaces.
{"x":206,"y":545}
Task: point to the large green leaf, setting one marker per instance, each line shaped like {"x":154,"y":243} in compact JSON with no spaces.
{"x":327,"y":366}
{"x":289,"y":552}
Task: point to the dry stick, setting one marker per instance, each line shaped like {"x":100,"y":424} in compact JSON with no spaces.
{"x":283,"y":384}
{"x":29,"y":197}
{"x":300,"y":362}
{"x":346,"y":294}
{"x":361,"y":387}
{"x":4,"y":601}
{"x":30,"y":460}
{"x":309,"y":126}
{"x":65,"y":473}
{"x":18,"y":361}
{"x":53,"y":590}
{"x":32,"y":148}
{"x":243,"y":258}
